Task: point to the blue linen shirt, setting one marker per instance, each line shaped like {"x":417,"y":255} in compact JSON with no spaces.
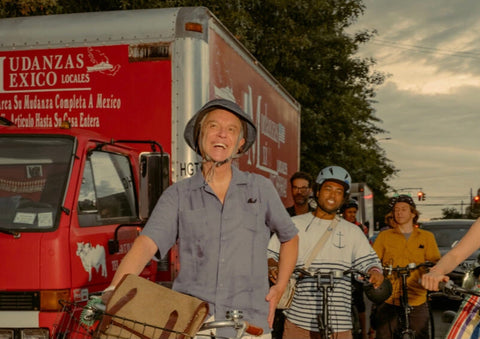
{"x":222,"y":248}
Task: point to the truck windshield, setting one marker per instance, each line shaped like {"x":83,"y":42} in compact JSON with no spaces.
{"x":33,"y":175}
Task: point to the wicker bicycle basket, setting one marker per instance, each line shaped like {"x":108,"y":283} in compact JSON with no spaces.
{"x":138,"y":309}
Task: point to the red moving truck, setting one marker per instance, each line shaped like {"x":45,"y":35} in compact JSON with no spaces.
{"x":92,"y":112}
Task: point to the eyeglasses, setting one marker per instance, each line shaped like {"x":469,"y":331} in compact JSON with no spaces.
{"x":300,"y":189}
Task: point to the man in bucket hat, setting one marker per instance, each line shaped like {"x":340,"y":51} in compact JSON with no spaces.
{"x":222,"y":218}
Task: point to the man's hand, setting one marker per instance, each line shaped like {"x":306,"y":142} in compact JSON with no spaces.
{"x":431,"y":279}
{"x":107,"y":294}
{"x":273,"y":297}
{"x":376,"y":278}
{"x":273,"y":274}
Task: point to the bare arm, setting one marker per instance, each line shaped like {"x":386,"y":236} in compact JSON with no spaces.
{"x":466,"y":246}
{"x":142,"y":251}
{"x":287,"y":260}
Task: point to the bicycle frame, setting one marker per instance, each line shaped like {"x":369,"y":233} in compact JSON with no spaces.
{"x":325,"y":288}
{"x":407,"y":332}
{"x":404,"y":272}
{"x":325,"y":284}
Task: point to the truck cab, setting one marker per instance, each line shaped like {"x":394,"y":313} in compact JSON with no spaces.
{"x":70,"y":209}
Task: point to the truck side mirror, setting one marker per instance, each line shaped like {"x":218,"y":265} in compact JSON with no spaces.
{"x":154,"y":179}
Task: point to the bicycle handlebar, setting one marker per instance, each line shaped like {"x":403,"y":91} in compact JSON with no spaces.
{"x":449,"y":288}
{"x":253,"y":330}
{"x":333,"y":274}
{"x":406,"y":269}
{"x":357,"y":271}
{"x":241,"y":325}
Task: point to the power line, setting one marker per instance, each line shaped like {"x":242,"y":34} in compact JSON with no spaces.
{"x":458,"y":197}
{"x":450,"y":197}
{"x":426,"y":50}
{"x":426,"y":205}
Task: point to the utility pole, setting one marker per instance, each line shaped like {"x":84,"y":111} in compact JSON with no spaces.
{"x":471,"y":199}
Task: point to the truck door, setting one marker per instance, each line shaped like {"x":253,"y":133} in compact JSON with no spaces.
{"x":107,"y":198}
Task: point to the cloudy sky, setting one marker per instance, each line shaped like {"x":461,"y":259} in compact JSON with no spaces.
{"x":430,"y":104}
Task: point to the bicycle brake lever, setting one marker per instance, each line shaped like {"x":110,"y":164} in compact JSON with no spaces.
{"x":450,"y":286}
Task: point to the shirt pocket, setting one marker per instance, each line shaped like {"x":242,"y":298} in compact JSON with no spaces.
{"x":250,"y":216}
{"x":418,"y":253}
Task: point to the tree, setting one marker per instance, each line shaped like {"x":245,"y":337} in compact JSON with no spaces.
{"x":14,"y":8}
{"x":451,"y":213}
{"x":304,"y":44}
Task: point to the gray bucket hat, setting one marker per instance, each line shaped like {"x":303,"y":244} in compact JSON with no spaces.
{"x":192,"y":130}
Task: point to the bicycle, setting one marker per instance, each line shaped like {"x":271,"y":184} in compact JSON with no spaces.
{"x":91,"y":321}
{"x":465,"y":321}
{"x":325,"y":284}
{"x":405,"y":331}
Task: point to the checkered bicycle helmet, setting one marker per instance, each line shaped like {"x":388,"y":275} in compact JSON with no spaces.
{"x":336,"y":174}
{"x":401,"y":198}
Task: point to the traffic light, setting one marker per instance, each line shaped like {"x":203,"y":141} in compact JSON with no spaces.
{"x":423,"y":196}
{"x":420,"y":196}
{"x":476,"y":199}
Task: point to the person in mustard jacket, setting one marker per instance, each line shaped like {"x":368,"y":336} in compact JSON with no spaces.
{"x":405,"y":243}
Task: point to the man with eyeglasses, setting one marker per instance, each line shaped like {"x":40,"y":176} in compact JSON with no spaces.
{"x":301,"y":186}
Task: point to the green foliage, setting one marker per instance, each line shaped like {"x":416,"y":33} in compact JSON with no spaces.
{"x":14,"y":8}
{"x":473,"y":211}
{"x":451,"y":213}
{"x":304,"y":44}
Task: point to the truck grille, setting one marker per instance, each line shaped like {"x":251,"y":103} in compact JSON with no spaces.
{"x":19,"y":301}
